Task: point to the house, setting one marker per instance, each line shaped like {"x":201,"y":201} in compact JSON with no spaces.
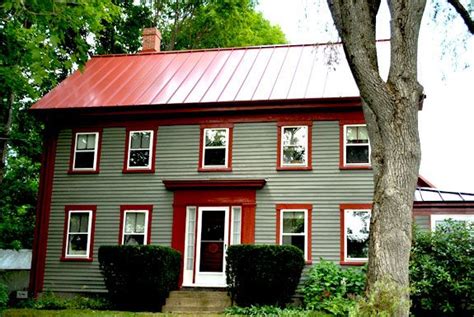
{"x":199,"y":150}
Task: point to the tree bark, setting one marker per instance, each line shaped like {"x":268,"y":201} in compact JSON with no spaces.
{"x":391,"y":112}
{"x":462,"y":11}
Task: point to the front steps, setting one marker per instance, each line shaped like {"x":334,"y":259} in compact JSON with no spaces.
{"x":197,"y":301}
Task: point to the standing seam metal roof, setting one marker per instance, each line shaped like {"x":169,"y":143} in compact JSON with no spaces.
{"x":287,"y":72}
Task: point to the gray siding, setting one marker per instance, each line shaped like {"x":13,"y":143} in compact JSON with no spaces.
{"x":177,"y":154}
{"x":423,"y":222}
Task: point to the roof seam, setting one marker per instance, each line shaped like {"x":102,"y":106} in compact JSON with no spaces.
{"x":278,"y":75}
{"x":247,"y":75}
{"x":231,"y":76}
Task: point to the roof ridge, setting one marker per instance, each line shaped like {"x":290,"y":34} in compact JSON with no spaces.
{"x":225,"y":49}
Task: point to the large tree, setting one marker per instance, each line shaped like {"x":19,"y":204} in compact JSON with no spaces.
{"x":391,"y":111}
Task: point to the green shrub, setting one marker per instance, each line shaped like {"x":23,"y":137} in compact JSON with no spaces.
{"x":3,"y":296}
{"x":263,"y":274}
{"x":333,"y":289}
{"x":48,"y":300}
{"x":442,"y":271}
{"x":272,"y":311}
{"x":139,"y":277}
{"x":380,"y":302}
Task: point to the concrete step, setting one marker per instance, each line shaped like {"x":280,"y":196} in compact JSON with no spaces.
{"x":199,"y":301}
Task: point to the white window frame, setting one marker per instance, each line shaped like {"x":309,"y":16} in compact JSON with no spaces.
{"x":305,"y":232}
{"x":355,"y":144}
{"x":89,"y":229}
{"x":150,"y":149}
{"x":346,"y":259}
{"x":145,"y":234}
{"x":282,"y":133}
{"x":455,"y":217}
{"x":226,"y":147}
{"x":96,"y":145}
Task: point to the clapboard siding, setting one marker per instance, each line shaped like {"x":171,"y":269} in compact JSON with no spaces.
{"x":423,"y":222}
{"x":177,"y":154}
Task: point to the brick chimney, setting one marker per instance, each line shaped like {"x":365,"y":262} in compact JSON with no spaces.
{"x":151,"y":40}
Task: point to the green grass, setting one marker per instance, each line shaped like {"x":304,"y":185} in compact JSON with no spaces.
{"x":78,"y":313}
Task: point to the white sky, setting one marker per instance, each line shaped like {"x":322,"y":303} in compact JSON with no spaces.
{"x":447,"y":137}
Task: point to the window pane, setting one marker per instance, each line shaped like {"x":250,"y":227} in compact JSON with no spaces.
{"x":81,"y":142}
{"x":140,"y":223}
{"x":134,"y":239}
{"x":357,"y":154}
{"x":140,"y":140}
{"x":214,"y":157}
{"x":139,"y":158}
{"x":293,"y":222}
{"x":130,"y":222}
{"x":91,"y":141}
{"x":357,"y":233}
{"x":79,"y":222}
{"x":77,"y":244}
{"x":216,"y":137}
{"x":84,"y":160}
{"x":297,"y":241}
{"x":357,"y":135}
{"x":212,"y":225}
{"x":295,"y":136}
{"x":294,"y":155}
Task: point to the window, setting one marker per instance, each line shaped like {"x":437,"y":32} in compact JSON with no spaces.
{"x":140,"y":156}
{"x":356,"y":145}
{"x":294,"y":147}
{"x":79,"y":229}
{"x":294,"y":228}
{"x":135,"y":224}
{"x":438,"y":220}
{"x":85,"y":152}
{"x":216,"y":149}
{"x":355,"y":222}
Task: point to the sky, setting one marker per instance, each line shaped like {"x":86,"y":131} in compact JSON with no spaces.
{"x":446,"y":123}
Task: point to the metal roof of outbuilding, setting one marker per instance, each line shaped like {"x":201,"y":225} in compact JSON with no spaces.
{"x":423,"y":194}
{"x":15,"y":260}
{"x":265,"y":73}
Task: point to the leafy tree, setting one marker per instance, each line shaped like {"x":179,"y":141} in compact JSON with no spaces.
{"x":391,"y":111}
{"x":41,"y":42}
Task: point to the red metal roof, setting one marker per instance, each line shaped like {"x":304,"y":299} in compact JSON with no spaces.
{"x":205,"y":76}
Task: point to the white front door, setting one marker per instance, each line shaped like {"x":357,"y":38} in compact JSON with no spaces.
{"x":211,"y":245}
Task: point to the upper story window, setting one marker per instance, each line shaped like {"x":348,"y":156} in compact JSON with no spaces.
{"x":140,"y":156}
{"x":294,"y":147}
{"x":135,"y":222}
{"x":356,"y":145}
{"x":355,"y":225}
{"x":216,"y":149}
{"x":294,"y":228}
{"x":85,"y":154}
{"x":79,"y":233}
{"x":440,"y":219}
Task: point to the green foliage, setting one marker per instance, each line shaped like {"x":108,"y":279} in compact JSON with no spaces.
{"x":333,"y":289}
{"x":272,"y":311}
{"x":263,"y":274}
{"x":139,"y":277}
{"x":73,"y":313}
{"x":49,"y":301}
{"x":3,"y":296}
{"x":380,"y":302}
{"x":442,"y":270}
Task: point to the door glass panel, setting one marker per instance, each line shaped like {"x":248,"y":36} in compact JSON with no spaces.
{"x":212,"y":241}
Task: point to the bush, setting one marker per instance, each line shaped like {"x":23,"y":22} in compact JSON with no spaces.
{"x":263,"y":274}
{"x":48,"y":300}
{"x":272,"y":311}
{"x":3,"y":296}
{"x":442,"y":271}
{"x":333,"y":289}
{"x":139,"y":277}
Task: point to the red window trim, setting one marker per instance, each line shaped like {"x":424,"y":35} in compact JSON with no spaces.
{"x":309,"y":165}
{"x":151,"y":169}
{"x":342,"y":244}
{"x":124,"y":208}
{"x":309,"y":208}
{"x":201,"y":167}
{"x":73,"y":147}
{"x":343,"y":123}
{"x":67,"y":210}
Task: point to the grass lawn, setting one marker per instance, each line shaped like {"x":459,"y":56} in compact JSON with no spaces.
{"x":82,"y":313}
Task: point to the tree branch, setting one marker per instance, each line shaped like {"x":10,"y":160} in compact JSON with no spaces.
{"x":464,"y":14}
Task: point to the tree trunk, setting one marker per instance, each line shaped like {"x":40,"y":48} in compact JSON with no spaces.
{"x":4,"y":134}
{"x":391,"y":112}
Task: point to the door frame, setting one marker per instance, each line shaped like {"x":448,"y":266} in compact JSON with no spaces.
{"x":198,"y":275}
